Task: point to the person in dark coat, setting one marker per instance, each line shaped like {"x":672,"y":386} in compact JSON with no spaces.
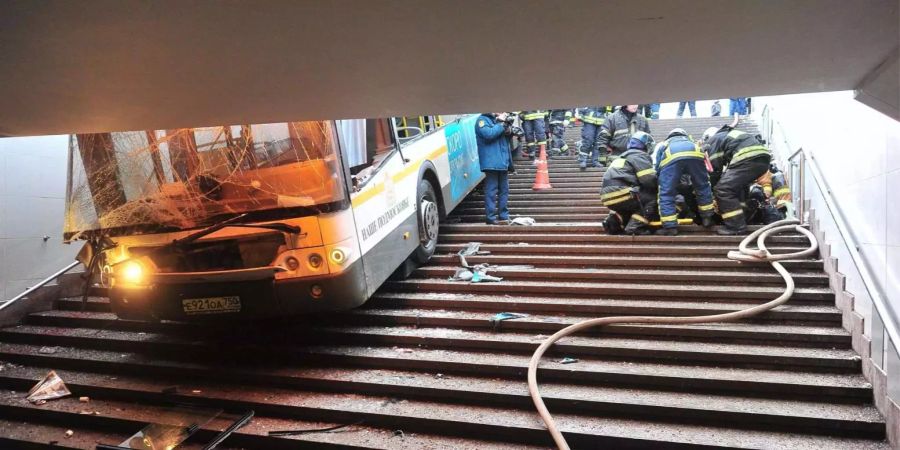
{"x":495,"y":159}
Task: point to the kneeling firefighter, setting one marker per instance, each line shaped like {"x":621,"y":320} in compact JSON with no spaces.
{"x":629,"y":189}
{"x":679,"y":156}
{"x":738,"y":159}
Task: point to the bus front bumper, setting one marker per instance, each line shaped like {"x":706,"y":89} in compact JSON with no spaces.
{"x":243,"y":298}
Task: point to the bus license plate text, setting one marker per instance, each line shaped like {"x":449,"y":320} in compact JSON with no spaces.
{"x":211,"y":305}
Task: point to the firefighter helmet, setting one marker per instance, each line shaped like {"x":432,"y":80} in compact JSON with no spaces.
{"x":642,"y":138}
{"x":676,"y":132}
{"x":709,"y":133}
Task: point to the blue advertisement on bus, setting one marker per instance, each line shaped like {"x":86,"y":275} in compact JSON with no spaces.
{"x":462,"y":151}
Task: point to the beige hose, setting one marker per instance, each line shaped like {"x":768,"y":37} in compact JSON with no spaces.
{"x":745,"y":254}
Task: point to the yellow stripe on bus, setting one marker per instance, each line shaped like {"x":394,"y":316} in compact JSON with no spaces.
{"x":367,"y":194}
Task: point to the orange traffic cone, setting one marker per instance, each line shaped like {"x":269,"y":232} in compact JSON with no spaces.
{"x":542,"y":177}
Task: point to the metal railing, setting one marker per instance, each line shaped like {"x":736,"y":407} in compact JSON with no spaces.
{"x":56,"y":275}
{"x":802,"y":165}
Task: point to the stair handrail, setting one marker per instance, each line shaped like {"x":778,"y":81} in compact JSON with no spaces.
{"x":56,"y":275}
{"x":886,"y":314}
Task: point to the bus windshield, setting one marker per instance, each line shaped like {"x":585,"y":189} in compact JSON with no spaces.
{"x":166,"y":180}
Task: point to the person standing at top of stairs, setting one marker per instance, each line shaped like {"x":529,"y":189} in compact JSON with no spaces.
{"x":492,"y":137}
{"x":737,"y":159}
{"x":692,"y":105}
{"x":592,"y":117}
{"x":559,"y":119}
{"x":617,"y":130}
{"x":535,"y":134}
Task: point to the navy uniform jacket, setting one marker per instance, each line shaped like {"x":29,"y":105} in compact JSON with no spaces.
{"x":493,"y":145}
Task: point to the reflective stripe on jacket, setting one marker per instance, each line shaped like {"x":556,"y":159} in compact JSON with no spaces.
{"x":631,"y":172}
{"x":676,"y":147}
{"x":534,"y":115}
{"x":729,"y":147}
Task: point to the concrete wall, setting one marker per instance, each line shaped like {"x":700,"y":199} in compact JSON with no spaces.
{"x":32,"y":198}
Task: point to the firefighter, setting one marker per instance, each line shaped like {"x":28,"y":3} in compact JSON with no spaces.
{"x":617,"y":129}
{"x":559,"y":120}
{"x":737,"y":160}
{"x":781,"y":192}
{"x":677,"y":156}
{"x":629,"y":189}
{"x":592,"y":119}
{"x":535,"y":133}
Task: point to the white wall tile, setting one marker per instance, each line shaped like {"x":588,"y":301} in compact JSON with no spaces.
{"x":892,"y":278}
{"x":892,"y":207}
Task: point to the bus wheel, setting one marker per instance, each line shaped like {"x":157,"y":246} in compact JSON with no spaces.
{"x":429,"y":222}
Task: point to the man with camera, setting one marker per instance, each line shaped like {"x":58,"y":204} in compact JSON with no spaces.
{"x":492,"y":134}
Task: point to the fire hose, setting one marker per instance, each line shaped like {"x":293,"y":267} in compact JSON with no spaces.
{"x":744,"y":254}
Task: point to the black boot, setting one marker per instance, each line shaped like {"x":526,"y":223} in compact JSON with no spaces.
{"x":667,"y":232}
{"x":725,"y":231}
{"x":706,"y":221}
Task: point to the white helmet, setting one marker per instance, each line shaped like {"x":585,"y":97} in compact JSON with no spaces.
{"x":709,"y":133}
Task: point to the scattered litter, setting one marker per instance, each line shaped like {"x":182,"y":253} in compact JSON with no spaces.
{"x":69,"y":433}
{"x":399,"y":433}
{"x":390,"y":401}
{"x":196,"y":391}
{"x":89,"y":413}
{"x":312,"y":430}
{"x":461,"y":274}
{"x":500,"y":317}
{"x":472,"y":248}
{"x":50,"y":387}
{"x":48,"y":350}
{"x":507,"y":315}
{"x":524,"y":221}
{"x":440,"y":376}
{"x":84,"y":399}
{"x":402,"y":350}
{"x":474,"y":274}
{"x":568,"y":360}
{"x":523,"y":243}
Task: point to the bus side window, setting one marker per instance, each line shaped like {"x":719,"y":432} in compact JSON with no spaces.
{"x":367,"y":144}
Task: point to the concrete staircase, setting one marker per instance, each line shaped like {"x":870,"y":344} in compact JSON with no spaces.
{"x":423,"y":365}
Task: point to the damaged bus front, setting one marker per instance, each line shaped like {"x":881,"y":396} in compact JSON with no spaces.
{"x":243,"y":221}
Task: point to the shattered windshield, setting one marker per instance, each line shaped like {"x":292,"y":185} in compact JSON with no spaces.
{"x":161,"y":180}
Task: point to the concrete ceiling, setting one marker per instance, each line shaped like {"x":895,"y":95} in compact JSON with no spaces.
{"x":121,"y":65}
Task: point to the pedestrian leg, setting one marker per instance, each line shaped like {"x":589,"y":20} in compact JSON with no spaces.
{"x":491,"y":180}
{"x":588,"y":137}
{"x":528,"y":128}
{"x":693,"y":107}
{"x":503,"y":194}
{"x":669,"y":177}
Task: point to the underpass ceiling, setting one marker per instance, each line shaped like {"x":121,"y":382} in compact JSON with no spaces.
{"x":123,"y":65}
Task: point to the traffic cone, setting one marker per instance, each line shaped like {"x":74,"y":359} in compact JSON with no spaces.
{"x":542,"y":177}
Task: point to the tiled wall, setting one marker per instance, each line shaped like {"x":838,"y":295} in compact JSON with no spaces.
{"x":32,"y":195}
{"x":858,"y":151}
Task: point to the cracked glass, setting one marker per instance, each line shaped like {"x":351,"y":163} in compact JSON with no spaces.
{"x":166,"y":180}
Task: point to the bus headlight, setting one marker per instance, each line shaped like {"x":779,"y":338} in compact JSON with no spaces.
{"x":338,"y":255}
{"x":133,"y":272}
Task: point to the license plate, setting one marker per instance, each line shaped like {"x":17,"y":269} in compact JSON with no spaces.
{"x":211,"y":305}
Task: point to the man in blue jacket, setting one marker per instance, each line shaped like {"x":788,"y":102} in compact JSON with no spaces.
{"x":492,"y":136}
